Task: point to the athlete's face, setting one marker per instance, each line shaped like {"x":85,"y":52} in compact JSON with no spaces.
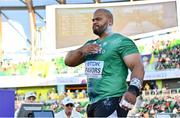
{"x":100,"y":23}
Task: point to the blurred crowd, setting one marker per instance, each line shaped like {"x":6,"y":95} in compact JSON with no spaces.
{"x":38,"y":68}
{"x":149,"y":104}
{"x":8,"y":68}
{"x":168,"y":58}
{"x":154,"y":101}
{"x":167,"y":53}
{"x":163,"y":55}
{"x":53,"y":100}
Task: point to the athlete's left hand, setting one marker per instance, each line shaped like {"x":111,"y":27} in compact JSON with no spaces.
{"x":128,"y":100}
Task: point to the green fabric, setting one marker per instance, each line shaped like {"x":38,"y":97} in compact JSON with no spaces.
{"x":113,"y":81}
{"x":172,"y":104}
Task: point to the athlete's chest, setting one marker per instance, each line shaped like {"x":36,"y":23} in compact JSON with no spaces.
{"x":108,"y":50}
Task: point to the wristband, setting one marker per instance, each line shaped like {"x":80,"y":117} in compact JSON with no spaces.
{"x":136,"y":82}
{"x":135,"y":86}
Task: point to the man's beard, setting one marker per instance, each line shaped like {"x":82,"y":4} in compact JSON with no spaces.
{"x":100,"y":30}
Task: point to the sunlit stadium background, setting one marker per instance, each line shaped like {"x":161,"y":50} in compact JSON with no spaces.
{"x":35,"y":36}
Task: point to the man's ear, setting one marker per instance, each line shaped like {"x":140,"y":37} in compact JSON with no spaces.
{"x":110,"y":22}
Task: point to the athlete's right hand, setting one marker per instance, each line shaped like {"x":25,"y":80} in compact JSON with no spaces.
{"x":128,"y":101}
{"x":90,"y":49}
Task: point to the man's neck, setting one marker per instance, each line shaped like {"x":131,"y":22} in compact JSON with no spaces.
{"x":68,"y":114}
{"x":107,"y":33}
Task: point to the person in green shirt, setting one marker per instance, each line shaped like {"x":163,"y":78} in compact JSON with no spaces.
{"x":107,"y":60}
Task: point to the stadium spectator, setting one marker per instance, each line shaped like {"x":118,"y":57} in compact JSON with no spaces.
{"x":30,"y":97}
{"x":68,"y":111}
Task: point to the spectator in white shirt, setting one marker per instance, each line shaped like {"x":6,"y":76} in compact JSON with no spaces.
{"x":68,"y":111}
{"x":30,"y":97}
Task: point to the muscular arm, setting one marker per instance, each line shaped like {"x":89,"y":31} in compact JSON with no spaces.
{"x":74,"y":58}
{"x":134,"y":63}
